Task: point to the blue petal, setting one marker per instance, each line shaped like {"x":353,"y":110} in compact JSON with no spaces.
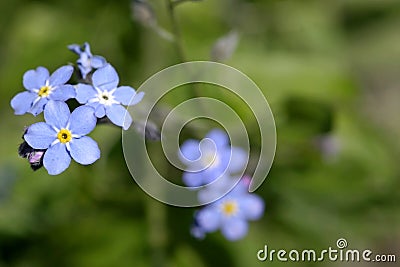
{"x":84,"y":92}
{"x":197,"y":232}
{"x":241,"y":188}
{"x":82,"y":65}
{"x":38,"y":107}
{"x":209,"y":151}
{"x":119,"y":116}
{"x":86,"y":49}
{"x":209,"y":219}
{"x":75,"y":48}
{"x":223,"y":154}
{"x":40,"y":135}
{"x":56,"y":159}
{"x":34,"y":79}
{"x":100,"y":111}
{"x":84,"y":150}
{"x":124,"y":94}
{"x":211,"y":174}
{"x":219,"y":137}
{"x":22,"y":102}
{"x":56,"y":113}
{"x":98,"y":62}
{"x":61,"y":75}
{"x":105,"y":78}
{"x":82,"y":120}
{"x":136,"y":99}
{"x":84,"y":61}
{"x":234,"y":229}
{"x":216,"y":190}
{"x":94,"y":104}
{"x":189,"y":151}
{"x":252,"y":206}
{"x":238,"y":160}
{"x":192,"y":179}
{"x":63,"y":93}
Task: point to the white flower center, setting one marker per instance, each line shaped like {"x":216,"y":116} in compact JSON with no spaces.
{"x":106,"y":98}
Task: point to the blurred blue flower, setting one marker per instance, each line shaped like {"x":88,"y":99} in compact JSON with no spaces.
{"x":210,"y":158}
{"x":230,"y":213}
{"x":41,"y":87}
{"x":87,"y":61}
{"x":106,"y":98}
{"x":64,"y":136}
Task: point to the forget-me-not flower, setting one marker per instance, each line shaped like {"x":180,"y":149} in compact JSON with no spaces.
{"x":41,"y":88}
{"x":64,"y":136}
{"x":210,"y":158}
{"x":87,"y":61}
{"x":107,"y":98}
{"x":230,"y":213}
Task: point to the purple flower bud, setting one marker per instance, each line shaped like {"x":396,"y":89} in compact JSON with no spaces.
{"x":35,"y":157}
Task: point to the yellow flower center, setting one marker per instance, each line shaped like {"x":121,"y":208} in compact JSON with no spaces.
{"x":44,"y":91}
{"x":229,"y":208}
{"x":64,"y":136}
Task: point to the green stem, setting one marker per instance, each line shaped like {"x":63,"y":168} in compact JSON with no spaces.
{"x":171,"y":4}
{"x":195,"y":87}
{"x":176,"y":30}
{"x":156,"y":216}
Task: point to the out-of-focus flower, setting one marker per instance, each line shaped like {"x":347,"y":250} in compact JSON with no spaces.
{"x":41,"y":88}
{"x":224,"y":47}
{"x":210,"y":158}
{"x":329,"y":145}
{"x":87,"y":62}
{"x":106,"y":98}
{"x":230,"y":213}
{"x":64,"y":136}
{"x":217,"y":189}
{"x":143,"y":12}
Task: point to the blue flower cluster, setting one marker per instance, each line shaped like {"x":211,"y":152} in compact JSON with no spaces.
{"x":211,"y":159}
{"x":62,"y":136}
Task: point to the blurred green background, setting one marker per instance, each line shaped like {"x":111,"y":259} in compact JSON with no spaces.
{"x":331,"y":73}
